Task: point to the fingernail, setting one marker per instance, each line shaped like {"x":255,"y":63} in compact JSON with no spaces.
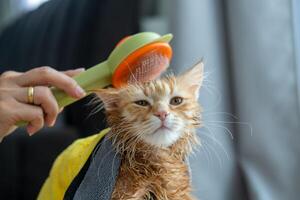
{"x":80,"y":69}
{"x":79,"y":92}
{"x":51,"y":124}
{"x":30,"y":132}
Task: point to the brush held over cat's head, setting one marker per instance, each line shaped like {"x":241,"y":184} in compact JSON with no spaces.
{"x":158,"y":113}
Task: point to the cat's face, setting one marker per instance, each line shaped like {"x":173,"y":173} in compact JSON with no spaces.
{"x":158,"y":112}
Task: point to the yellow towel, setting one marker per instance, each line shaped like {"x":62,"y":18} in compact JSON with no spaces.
{"x":67,"y":166}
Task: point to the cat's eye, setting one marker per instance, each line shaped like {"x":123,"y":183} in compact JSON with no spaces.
{"x":142,"y":103}
{"x":176,"y":101}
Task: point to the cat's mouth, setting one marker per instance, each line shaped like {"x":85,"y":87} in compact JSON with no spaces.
{"x":163,"y":127}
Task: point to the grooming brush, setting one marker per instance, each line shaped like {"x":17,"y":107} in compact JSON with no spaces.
{"x":137,"y":58}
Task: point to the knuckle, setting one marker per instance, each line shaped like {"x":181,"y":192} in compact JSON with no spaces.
{"x":5,"y":77}
{"x":45,"y":97}
{"x":42,"y":94}
{"x":47,"y":92}
{"x":7,"y":74}
{"x":70,"y":83}
{"x":45,"y":71}
{"x":38,"y":95}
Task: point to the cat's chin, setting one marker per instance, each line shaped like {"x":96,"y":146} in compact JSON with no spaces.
{"x":162,"y":137}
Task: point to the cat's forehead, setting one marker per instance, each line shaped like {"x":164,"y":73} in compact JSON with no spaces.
{"x":160,"y":87}
{"x":155,"y":89}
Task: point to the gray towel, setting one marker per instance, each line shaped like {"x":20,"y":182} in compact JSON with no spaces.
{"x":99,"y":180}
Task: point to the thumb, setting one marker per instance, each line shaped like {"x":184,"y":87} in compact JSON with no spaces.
{"x":7,"y":131}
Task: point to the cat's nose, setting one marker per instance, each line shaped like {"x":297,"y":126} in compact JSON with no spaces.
{"x":162,"y":115}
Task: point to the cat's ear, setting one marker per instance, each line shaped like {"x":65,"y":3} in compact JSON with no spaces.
{"x":110,"y":98}
{"x":193,"y":78}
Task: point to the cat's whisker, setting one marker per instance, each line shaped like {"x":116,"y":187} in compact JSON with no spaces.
{"x":208,"y":75}
{"x":102,"y":162}
{"x":98,"y":148}
{"x":94,"y":100}
{"x":212,"y":134}
{"x":112,"y":169}
{"x":216,"y":153}
{"x":96,"y":110}
{"x":99,"y":105}
{"x":209,"y":83}
{"x":207,"y":78}
{"x":249,"y":125}
{"x":221,"y":126}
{"x":206,"y":152}
{"x":213,"y":91}
{"x":220,"y":113}
{"x":214,"y":139}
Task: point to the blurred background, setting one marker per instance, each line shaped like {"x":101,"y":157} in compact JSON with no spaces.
{"x":251,"y":134}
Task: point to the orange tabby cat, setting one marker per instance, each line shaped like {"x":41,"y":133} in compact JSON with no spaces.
{"x":153,"y":129}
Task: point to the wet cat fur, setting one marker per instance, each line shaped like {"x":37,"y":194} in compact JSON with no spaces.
{"x":153,"y":155}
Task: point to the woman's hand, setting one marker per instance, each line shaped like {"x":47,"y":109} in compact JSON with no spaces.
{"x":14,"y":105}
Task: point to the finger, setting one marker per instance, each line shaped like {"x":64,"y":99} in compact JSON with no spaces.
{"x":31,"y":114}
{"x":8,"y":77}
{"x":8,"y":130}
{"x":43,"y":97}
{"x":49,"y":76}
{"x":74,"y":72}
{"x":9,"y":74}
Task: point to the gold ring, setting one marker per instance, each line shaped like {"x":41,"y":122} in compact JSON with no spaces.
{"x":30,"y":95}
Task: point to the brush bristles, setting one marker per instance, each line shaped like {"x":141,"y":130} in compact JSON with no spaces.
{"x":149,"y":67}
